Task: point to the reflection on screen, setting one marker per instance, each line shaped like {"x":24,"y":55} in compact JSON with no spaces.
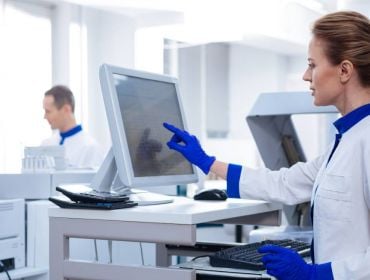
{"x":145,"y":105}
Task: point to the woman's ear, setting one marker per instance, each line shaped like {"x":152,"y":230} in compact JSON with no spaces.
{"x":345,"y":71}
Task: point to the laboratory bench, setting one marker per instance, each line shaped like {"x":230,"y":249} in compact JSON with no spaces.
{"x":165,"y":225}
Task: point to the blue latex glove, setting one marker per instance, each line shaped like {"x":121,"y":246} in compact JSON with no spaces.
{"x":189,"y":146}
{"x":286,"y":264}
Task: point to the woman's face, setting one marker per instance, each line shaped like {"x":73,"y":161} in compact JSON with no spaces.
{"x":324,"y":77}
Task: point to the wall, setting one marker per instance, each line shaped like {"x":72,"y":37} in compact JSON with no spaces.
{"x":252,"y":71}
{"x":110,"y":39}
{"x":216,"y":87}
{"x":190,"y":69}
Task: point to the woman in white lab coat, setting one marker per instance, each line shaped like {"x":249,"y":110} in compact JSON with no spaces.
{"x":337,"y":182}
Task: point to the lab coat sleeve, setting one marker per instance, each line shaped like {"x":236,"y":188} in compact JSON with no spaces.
{"x":288,"y":185}
{"x":357,"y":266}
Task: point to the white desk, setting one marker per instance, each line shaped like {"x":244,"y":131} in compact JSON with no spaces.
{"x":173,"y":223}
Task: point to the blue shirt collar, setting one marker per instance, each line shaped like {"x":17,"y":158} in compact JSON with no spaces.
{"x":69,"y":133}
{"x":346,"y":122}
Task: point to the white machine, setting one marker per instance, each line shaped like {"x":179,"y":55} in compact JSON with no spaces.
{"x":270,"y":122}
{"x":12,"y":233}
{"x":44,"y":159}
{"x":40,"y":185}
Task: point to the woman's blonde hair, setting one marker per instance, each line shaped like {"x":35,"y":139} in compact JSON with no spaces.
{"x":347,"y":37}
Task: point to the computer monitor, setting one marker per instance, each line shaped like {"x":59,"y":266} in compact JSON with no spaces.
{"x":137,"y":103}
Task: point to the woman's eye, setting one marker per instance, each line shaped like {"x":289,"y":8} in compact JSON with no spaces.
{"x":311,"y":65}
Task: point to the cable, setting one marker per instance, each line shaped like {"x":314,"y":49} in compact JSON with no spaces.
{"x":198,"y":257}
{"x":142,"y":255}
{"x":96,"y":250}
{"x":3,"y":268}
{"x":110,"y":250}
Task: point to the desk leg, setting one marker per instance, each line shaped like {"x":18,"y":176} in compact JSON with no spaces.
{"x":238,"y":233}
{"x":58,"y":249}
{"x":162,"y":258}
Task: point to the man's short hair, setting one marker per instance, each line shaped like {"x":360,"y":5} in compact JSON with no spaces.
{"x":62,"y":95}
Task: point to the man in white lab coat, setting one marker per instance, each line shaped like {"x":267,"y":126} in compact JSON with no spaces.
{"x":82,"y":151}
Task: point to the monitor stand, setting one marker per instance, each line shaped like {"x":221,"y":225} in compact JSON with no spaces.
{"x":107,"y":180}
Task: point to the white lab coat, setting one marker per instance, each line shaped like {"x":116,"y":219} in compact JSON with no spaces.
{"x":82,"y":151}
{"x":341,"y":195}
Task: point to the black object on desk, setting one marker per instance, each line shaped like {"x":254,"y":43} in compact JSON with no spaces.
{"x":65,"y":202}
{"x":247,"y":256}
{"x":211,"y":194}
{"x":86,"y":194}
{"x":84,"y":197}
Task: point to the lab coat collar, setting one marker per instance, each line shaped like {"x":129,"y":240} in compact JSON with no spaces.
{"x":346,"y":122}
{"x":69,"y":133}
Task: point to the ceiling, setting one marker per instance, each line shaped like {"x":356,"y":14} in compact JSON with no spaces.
{"x":266,"y":23}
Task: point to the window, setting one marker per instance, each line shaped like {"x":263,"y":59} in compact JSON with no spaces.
{"x":26,"y":73}
{"x":78,"y":67}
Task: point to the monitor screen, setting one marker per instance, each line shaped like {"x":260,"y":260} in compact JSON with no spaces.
{"x":137,"y":105}
{"x":145,"y":105}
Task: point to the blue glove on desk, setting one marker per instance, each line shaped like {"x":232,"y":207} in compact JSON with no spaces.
{"x":286,"y":264}
{"x":189,"y":146}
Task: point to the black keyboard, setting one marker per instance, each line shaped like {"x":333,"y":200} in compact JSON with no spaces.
{"x":247,"y":256}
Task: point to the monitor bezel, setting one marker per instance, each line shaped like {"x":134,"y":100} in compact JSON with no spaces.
{"x":118,"y":134}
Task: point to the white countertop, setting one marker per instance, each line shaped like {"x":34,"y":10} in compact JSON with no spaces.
{"x":40,"y":185}
{"x":182,"y":211}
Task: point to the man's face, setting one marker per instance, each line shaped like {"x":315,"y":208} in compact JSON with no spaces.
{"x":53,"y":115}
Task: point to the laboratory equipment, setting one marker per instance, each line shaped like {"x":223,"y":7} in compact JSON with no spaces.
{"x":12,"y":233}
{"x":43,"y":159}
{"x":272,"y":127}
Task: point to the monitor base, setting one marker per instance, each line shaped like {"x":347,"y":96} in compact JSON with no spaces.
{"x":143,"y":198}
{"x":107,"y":180}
